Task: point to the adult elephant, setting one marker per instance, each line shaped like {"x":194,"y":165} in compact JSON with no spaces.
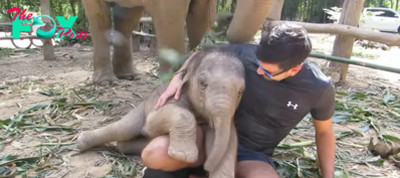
{"x":169,"y":17}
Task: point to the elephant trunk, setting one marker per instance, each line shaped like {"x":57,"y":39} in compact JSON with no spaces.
{"x":247,"y":20}
{"x":222,"y":108}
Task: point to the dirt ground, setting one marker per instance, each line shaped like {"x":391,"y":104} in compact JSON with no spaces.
{"x":26,"y":80}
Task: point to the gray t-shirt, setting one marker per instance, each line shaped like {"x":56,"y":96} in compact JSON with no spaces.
{"x":269,"y":110}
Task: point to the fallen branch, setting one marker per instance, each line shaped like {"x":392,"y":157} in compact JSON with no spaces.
{"x":385,"y":38}
{"x":297,"y":144}
{"x":350,"y":144}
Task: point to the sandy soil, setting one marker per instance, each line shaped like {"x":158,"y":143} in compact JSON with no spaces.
{"x":24,"y":74}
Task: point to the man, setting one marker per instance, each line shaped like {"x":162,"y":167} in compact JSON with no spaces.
{"x":281,"y":88}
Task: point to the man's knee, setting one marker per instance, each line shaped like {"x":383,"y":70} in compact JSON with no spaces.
{"x":255,"y":169}
{"x":155,"y":154}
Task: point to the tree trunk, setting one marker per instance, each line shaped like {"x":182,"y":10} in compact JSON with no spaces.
{"x":397,"y":4}
{"x":343,"y":45}
{"x":153,"y":41}
{"x":9,"y":7}
{"x":380,"y":3}
{"x":48,"y":48}
{"x":72,"y":4}
{"x":150,"y":42}
{"x":276,"y":10}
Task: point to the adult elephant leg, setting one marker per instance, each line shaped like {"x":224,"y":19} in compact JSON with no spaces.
{"x":247,"y":20}
{"x":168,"y":19}
{"x":199,"y":19}
{"x":125,"y":20}
{"x":99,"y":16}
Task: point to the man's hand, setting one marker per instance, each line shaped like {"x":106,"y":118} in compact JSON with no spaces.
{"x":175,"y":85}
{"x":325,"y":140}
{"x":174,"y":88}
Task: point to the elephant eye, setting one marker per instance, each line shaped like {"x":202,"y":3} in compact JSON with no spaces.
{"x":241,"y":91}
{"x":202,"y":84}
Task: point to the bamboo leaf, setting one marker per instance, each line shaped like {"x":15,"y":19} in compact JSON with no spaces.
{"x":391,"y":137}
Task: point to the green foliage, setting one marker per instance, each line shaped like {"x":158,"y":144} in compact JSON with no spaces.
{"x":369,"y":110}
{"x":210,"y":38}
{"x":74,"y":8}
{"x":174,"y":59}
{"x":226,"y":6}
{"x":219,"y":30}
{"x":64,"y":8}
{"x":5,"y":52}
{"x":11,"y":165}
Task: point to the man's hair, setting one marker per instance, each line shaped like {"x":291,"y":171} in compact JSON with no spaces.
{"x":286,"y":44}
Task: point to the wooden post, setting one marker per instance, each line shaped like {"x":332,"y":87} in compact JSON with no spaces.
{"x":136,"y":40}
{"x":343,"y":45}
{"x":48,"y":48}
{"x":149,"y":28}
{"x":153,"y":41}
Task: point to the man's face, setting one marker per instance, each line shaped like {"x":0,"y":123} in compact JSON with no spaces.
{"x":274,"y":72}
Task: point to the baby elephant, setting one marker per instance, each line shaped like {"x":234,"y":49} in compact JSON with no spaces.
{"x":212,"y":88}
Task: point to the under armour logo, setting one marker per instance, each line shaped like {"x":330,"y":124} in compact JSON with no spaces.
{"x":293,"y":105}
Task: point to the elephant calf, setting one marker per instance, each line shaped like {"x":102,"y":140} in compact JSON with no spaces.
{"x":212,"y":88}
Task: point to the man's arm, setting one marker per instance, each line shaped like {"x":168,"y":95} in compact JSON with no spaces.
{"x":324,"y":133}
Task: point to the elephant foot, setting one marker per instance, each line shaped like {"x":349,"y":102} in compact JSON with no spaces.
{"x":126,"y":73}
{"x":182,"y":150}
{"x":83,"y":140}
{"x":104,"y":78}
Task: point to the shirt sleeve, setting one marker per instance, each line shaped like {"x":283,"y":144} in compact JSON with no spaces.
{"x":324,"y":108}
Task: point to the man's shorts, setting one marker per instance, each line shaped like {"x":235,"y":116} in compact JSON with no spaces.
{"x":243,"y":154}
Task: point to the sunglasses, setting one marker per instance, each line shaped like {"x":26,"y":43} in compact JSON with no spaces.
{"x":267,"y":73}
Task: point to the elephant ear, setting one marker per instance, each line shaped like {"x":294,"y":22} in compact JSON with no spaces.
{"x":194,"y":62}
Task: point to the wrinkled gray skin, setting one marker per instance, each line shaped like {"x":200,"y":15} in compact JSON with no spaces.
{"x":214,"y":83}
{"x":169,"y":19}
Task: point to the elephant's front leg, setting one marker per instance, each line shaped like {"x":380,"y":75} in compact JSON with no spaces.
{"x":99,"y":16}
{"x":168,"y":19}
{"x":125,"y":20}
{"x":200,"y":18}
{"x":226,"y":168}
{"x":180,"y":123}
